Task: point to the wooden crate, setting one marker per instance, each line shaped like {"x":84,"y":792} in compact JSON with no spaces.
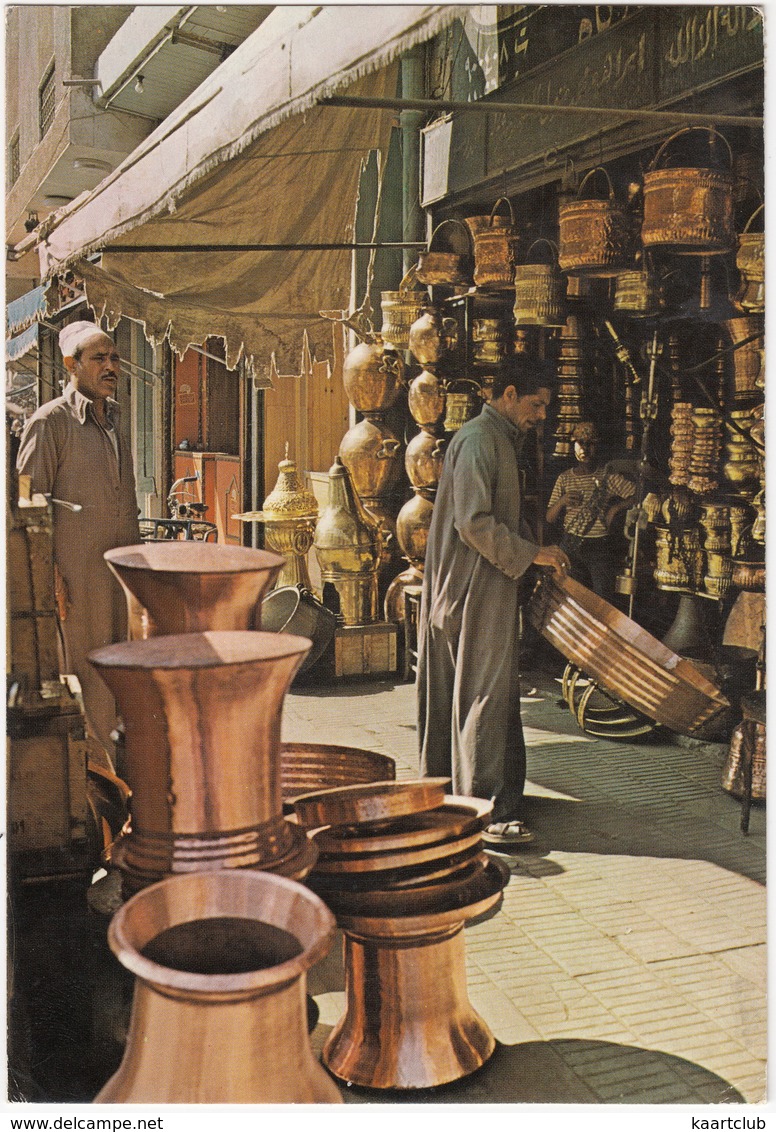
{"x":362,"y":650}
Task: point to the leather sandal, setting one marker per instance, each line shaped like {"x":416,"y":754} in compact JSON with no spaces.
{"x":512,"y":832}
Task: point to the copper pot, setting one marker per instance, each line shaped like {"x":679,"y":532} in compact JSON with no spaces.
{"x":186,"y":587}
{"x":427,"y":399}
{"x":540,"y":292}
{"x":423,"y":460}
{"x":372,"y":376}
{"x":597,"y":237}
{"x":202,"y":718}
{"x":432,"y":336}
{"x":412,"y":524}
{"x":372,"y":454}
{"x":450,"y":268}
{"x":219,"y":1013}
{"x":688,"y":211}
{"x":495,"y":252}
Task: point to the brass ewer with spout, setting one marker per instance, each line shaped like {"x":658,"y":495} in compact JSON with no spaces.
{"x":348,"y":545}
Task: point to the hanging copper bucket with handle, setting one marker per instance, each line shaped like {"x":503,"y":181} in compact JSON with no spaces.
{"x":451,"y":268}
{"x":463,"y":400}
{"x":689,"y":211}
{"x":540,"y":291}
{"x":639,"y":291}
{"x":495,"y":251}
{"x":597,"y":237}
{"x":400,"y":309}
{"x":750,"y":261}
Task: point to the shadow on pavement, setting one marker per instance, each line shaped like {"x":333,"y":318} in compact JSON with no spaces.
{"x":569,"y":1072}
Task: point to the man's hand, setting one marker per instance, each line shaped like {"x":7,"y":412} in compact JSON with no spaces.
{"x":553,"y":557}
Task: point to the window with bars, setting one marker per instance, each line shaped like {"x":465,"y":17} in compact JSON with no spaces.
{"x":14,"y":161}
{"x":46,"y":100}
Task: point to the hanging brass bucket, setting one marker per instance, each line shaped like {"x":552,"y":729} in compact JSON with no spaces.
{"x":461,"y":404}
{"x":495,"y":252}
{"x":400,"y":309}
{"x":450,"y":268}
{"x":750,"y":261}
{"x":597,"y":237}
{"x":688,"y":211}
{"x":639,"y":293}
{"x":490,"y":340}
{"x":540,"y":292}
{"x":747,"y":360}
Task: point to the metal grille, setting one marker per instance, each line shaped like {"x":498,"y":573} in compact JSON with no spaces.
{"x":46,"y":101}
{"x":14,"y":161}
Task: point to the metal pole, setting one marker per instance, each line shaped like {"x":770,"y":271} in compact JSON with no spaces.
{"x":413,"y":84}
{"x":324,"y":247}
{"x":485,"y":106}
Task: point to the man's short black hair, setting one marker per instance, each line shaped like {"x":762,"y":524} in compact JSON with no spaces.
{"x":526,"y":374}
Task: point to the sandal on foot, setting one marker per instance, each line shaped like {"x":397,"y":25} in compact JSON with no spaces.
{"x":507,"y":833}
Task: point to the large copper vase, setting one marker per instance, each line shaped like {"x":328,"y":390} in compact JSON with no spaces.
{"x":202,"y":718}
{"x":219,"y":1013}
{"x":188,"y":587}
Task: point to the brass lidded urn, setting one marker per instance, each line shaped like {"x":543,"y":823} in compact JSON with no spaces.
{"x":348,"y":545}
{"x":219,"y":1013}
{"x":202,"y":717}
{"x":186,"y":587}
{"x":289,"y":514}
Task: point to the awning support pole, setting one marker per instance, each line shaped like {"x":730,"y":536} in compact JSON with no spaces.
{"x":333,"y":247}
{"x":486,"y":106}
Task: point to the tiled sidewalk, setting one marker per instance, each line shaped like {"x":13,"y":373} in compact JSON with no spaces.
{"x":628,"y":961}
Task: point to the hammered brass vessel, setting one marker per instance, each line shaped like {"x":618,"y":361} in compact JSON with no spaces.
{"x":540,"y":292}
{"x":495,"y":250}
{"x":424,"y":458}
{"x":432,"y":337}
{"x":219,"y":1013}
{"x":750,"y":261}
{"x":450,"y":268}
{"x":373,"y":376}
{"x":412,"y":526}
{"x":348,"y":545}
{"x":597,"y":237}
{"x":748,"y":360}
{"x":373,"y":455}
{"x":202,"y":718}
{"x":186,"y":587}
{"x":400,"y":309}
{"x":427,"y":400}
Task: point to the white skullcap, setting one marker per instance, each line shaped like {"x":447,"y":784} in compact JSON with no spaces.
{"x":75,"y":335}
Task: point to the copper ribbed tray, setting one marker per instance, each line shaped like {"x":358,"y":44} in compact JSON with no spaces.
{"x":624,"y":659}
{"x":378,"y":801}
{"x":324,"y":766}
{"x":382,"y":861}
{"x":424,"y":897}
{"x":456,"y":818}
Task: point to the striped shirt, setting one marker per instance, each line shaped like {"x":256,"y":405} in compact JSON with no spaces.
{"x":586,"y":483}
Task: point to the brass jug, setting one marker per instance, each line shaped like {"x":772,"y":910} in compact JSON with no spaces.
{"x":424,"y":458}
{"x":348,"y":546}
{"x":412,"y":524}
{"x":219,"y":1013}
{"x":372,"y":376}
{"x":427,"y":400}
{"x":432,"y":336}
{"x":372,"y":454}
{"x":400,"y":309}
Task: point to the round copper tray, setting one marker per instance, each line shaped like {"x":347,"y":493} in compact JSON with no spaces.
{"x":456,"y":817}
{"x":377,"y":801}
{"x":305,"y":767}
{"x":623,"y":659}
{"x":381,"y":862}
{"x":394,"y":879}
{"x":392,"y":902}
{"x":471,"y":900}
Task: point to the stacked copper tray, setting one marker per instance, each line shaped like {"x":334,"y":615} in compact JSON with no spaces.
{"x":624,"y":659}
{"x":402,"y":866}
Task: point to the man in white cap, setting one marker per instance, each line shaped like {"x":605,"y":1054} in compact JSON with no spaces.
{"x":72,"y":450}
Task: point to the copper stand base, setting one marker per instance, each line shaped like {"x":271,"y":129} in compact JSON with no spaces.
{"x":408,"y":1023}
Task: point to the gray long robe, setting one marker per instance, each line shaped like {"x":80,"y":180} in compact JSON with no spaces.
{"x":469,"y":724}
{"x":70,"y":456}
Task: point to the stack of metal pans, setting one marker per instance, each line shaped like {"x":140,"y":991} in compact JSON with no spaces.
{"x":401,"y":864}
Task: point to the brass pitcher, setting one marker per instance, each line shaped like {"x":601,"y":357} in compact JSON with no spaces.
{"x":348,"y":545}
{"x":424,"y":458}
{"x":219,"y":1013}
{"x":427,"y":400}
{"x":689,"y":211}
{"x":540,"y":292}
{"x":373,"y":376}
{"x":495,"y":252}
{"x":597,"y":237}
{"x":400,"y":309}
{"x":412,"y":525}
{"x":372,"y":454}
{"x":432,"y":336}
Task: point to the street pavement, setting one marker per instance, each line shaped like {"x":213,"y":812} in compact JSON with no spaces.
{"x":627,"y":964}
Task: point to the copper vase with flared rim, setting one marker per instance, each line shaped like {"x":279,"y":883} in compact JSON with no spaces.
{"x":202,"y":718}
{"x":221,"y":1037}
{"x":189,"y":587}
{"x":408,"y":1022}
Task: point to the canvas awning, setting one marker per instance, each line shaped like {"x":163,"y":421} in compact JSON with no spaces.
{"x":248,"y":158}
